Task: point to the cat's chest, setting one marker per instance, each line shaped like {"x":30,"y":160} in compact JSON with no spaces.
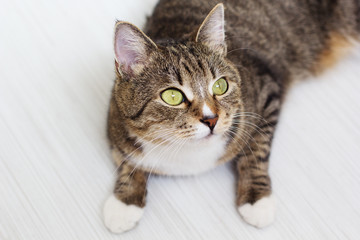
{"x":182,"y":159}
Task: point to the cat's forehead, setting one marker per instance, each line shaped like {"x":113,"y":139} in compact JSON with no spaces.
{"x":192,"y":60}
{"x":190,"y":67}
{"x":186,"y":50}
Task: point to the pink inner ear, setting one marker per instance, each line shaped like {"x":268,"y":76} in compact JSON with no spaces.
{"x":129,"y":47}
{"x":213,"y":30}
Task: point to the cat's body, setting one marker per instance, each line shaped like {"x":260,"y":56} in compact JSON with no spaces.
{"x":268,"y":45}
{"x":289,"y":36}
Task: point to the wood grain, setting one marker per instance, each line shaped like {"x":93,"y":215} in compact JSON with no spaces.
{"x":56,"y":72}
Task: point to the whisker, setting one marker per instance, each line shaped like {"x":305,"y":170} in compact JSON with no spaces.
{"x":237,"y":49}
{"x":256,"y":128}
{"x":151,"y":134}
{"x":157,"y":145}
{"x":246,"y":142}
{"x":141,"y":161}
{"x":133,"y":152}
{"x":175,"y":142}
{"x":241,"y":145}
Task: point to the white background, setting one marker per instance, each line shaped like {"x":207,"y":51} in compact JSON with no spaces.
{"x":56,"y":73}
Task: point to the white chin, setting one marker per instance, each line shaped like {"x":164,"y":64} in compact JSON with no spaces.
{"x":202,"y":132}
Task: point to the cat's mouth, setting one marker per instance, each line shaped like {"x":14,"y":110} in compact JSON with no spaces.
{"x":204,"y":133}
{"x":208,"y":136}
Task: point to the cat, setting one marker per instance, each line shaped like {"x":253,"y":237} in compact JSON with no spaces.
{"x":202,"y":87}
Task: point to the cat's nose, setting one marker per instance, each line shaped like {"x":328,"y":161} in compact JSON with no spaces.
{"x":210,"y":122}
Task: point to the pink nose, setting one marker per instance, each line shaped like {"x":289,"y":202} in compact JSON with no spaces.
{"x":211,"y":122}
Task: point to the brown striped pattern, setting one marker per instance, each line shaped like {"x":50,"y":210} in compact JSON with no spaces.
{"x":130,"y":185}
{"x":269,"y":44}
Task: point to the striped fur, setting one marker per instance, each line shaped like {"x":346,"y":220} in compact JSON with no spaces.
{"x":268,"y":44}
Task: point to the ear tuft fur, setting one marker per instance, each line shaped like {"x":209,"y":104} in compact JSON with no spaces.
{"x":212,"y":30}
{"x":132,"y":48}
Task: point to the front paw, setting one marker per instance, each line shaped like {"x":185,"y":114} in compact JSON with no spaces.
{"x":120,"y":217}
{"x":261,"y":213}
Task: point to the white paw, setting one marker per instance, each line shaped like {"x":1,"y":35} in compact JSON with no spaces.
{"x":119,"y":217}
{"x":261,"y":213}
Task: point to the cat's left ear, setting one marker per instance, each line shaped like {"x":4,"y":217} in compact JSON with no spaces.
{"x":212,"y":30}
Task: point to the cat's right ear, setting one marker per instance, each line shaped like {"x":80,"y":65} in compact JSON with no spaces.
{"x":132,"y":48}
{"x":212,"y":30}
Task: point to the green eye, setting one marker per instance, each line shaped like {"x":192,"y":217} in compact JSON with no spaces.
{"x":172,"y":97}
{"x":220,"y":87}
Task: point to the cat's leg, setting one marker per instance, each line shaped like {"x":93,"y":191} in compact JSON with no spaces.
{"x":125,"y":207}
{"x":255,"y":201}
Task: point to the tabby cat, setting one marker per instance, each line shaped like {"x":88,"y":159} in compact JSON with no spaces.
{"x":199,"y":88}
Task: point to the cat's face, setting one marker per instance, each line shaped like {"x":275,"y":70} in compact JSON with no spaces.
{"x":179,"y":91}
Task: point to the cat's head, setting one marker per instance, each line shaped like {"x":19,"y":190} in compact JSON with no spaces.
{"x":177,"y":90}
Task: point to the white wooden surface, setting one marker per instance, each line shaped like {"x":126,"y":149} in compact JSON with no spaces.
{"x":56,"y":73}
